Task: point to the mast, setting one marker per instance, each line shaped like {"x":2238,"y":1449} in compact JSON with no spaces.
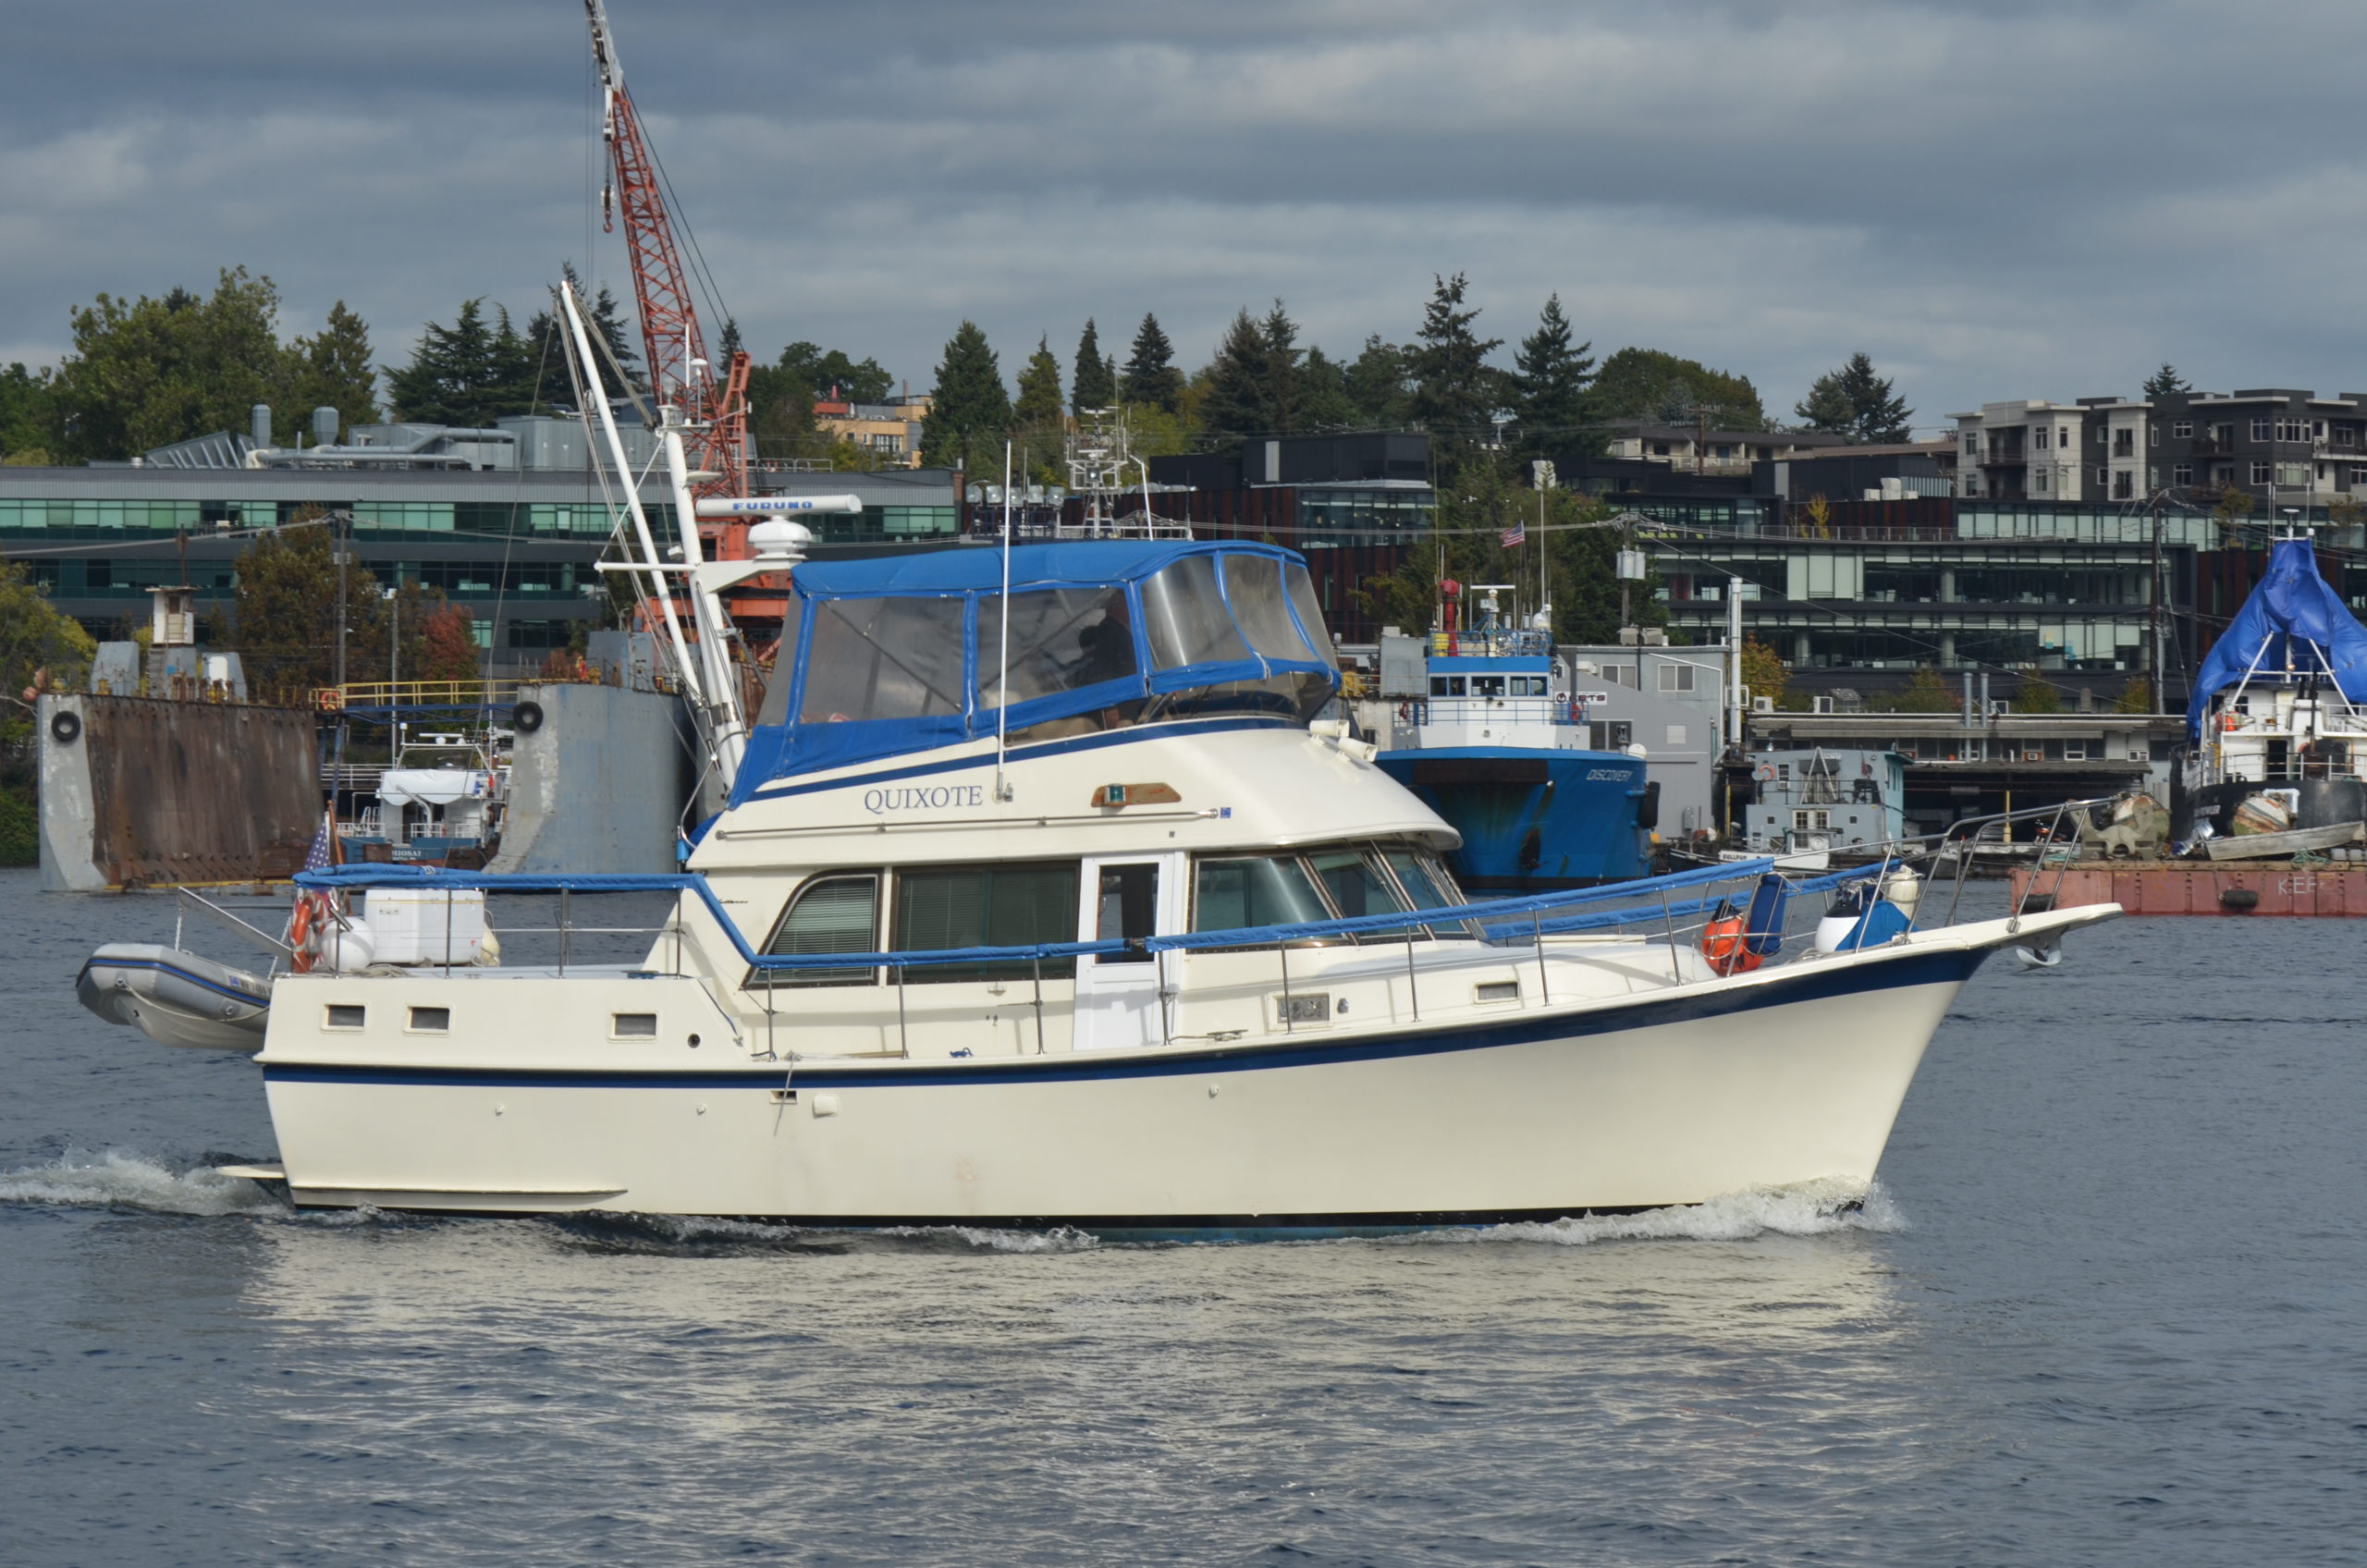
{"x":714,"y":417}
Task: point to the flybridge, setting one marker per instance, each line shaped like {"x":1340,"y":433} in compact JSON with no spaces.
{"x":891,"y":656}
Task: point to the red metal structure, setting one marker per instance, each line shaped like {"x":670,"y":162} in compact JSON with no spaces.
{"x":680,"y":371}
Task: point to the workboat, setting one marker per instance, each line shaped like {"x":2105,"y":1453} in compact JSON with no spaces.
{"x":1042,"y":896}
{"x":439,"y":803}
{"x":2277,"y":726}
{"x":1497,"y":747}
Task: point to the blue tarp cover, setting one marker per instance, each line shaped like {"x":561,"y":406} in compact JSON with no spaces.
{"x":2292,"y":617}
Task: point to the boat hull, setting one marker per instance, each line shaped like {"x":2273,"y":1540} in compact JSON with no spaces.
{"x":1770,"y":1081}
{"x":1530,"y":817}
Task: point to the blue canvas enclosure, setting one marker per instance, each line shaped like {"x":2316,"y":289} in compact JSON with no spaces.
{"x":885,"y":657}
{"x":2293,"y":621}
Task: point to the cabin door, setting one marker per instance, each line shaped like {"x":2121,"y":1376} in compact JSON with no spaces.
{"x":1118,"y":1001}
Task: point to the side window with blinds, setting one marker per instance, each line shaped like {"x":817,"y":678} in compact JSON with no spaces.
{"x":838,"y":914}
{"x":986,"y":906}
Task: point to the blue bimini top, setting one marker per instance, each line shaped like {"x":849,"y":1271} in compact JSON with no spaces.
{"x":2293,"y":623}
{"x":890,"y":656}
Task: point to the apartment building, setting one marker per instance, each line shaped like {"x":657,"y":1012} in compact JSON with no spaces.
{"x":1688,"y":449}
{"x":2286,"y":449}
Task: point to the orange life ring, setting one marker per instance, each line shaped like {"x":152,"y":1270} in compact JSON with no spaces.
{"x":2227,"y":721}
{"x":1766,"y":774}
{"x":1726,"y":944}
{"x":299,"y":933}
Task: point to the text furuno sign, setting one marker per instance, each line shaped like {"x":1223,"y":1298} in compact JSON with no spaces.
{"x":940,"y":797}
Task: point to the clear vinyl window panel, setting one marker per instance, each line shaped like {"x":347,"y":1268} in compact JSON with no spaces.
{"x":884,"y":658}
{"x":1254,"y":584}
{"x":1185,"y":619}
{"x":1061,"y":639}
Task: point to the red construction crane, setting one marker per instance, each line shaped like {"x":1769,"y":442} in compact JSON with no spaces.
{"x":680,"y":371}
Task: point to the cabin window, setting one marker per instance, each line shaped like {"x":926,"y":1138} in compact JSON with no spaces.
{"x":1185,"y":620}
{"x":1486,"y":685}
{"x":632,"y":1026}
{"x":1060,"y":639}
{"x":986,"y":906}
{"x":1446,"y":685}
{"x":1254,"y":586}
{"x":346,"y":1015}
{"x":431,"y":1020}
{"x":885,"y":658}
{"x":838,"y":914}
{"x":1427,"y":886}
{"x":1230,"y":893}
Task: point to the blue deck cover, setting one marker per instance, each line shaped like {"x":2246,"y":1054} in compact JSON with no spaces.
{"x":2293,"y":617}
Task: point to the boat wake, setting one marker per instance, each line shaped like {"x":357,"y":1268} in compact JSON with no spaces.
{"x":115,"y":1180}
{"x":1814,"y":1209}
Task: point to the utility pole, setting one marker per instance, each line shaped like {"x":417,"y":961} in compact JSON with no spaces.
{"x":2153,"y":614}
{"x":1700,"y":438}
{"x":338,"y":541}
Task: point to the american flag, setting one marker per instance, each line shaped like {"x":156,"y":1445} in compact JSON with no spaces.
{"x":320,"y":856}
{"x":1515,"y":536}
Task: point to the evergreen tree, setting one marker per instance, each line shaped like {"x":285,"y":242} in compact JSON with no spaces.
{"x":970,"y":408}
{"x":1150,"y":376}
{"x":1237,"y":404}
{"x":29,"y":429}
{"x":2165,"y":382}
{"x":468,"y":373}
{"x":1095,"y":387}
{"x":1038,"y":408}
{"x":1324,"y":403}
{"x":730,"y":343}
{"x":1856,"y":402}
{"x":1455,"y":391}
{"x":332,"y":369}
{"x":1647,"y":383}
{"x":1379,"y":383}
{"x":1549,"y":385}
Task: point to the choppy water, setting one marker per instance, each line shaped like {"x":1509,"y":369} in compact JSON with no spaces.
{"x":2107,"y":1308}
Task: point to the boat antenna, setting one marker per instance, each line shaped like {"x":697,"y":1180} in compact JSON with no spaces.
{"x":1002,"y":681}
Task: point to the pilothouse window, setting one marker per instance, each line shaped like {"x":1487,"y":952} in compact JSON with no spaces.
{"x":1234,"y":892}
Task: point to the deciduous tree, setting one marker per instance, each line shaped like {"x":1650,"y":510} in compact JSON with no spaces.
{"x":1648,"y":385}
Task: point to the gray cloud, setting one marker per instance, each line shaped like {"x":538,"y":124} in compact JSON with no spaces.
{"x":1995,"y":200}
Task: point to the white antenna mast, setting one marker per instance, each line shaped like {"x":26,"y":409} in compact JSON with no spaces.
{"x":1002,"y":687}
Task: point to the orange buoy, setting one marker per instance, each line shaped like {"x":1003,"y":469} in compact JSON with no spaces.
{"x":1725,"y":942}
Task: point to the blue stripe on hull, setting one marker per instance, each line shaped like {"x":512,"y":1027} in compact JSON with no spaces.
{"x":1815,"y":983}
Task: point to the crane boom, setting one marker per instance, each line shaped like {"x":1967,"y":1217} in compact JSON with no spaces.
{"x":680,"y":371}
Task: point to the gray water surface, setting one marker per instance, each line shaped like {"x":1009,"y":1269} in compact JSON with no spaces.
{"x":2106,"y":1307}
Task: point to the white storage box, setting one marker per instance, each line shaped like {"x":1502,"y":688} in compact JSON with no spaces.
{"x":408,"y":924}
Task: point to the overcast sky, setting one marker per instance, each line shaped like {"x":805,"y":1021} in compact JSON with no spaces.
{"x":1994,"y":200}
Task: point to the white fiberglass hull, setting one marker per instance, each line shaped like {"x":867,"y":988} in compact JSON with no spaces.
{"x":1784,"y":1077}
